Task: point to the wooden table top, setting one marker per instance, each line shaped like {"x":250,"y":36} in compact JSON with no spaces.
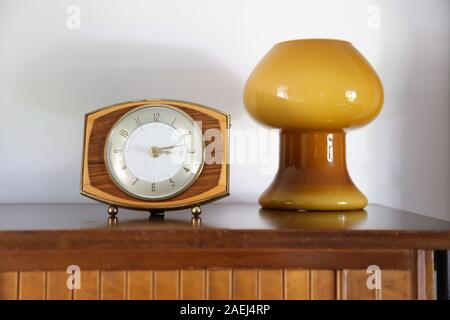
{"x":85,"y":226}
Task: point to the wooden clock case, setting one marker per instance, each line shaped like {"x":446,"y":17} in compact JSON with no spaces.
{"x":211,"y":184}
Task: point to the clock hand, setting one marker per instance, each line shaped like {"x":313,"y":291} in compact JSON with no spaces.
{"x":156,"y":152}
{"x":171,"y":147}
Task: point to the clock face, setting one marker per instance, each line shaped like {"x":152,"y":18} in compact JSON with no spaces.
{"x":154,"y":152}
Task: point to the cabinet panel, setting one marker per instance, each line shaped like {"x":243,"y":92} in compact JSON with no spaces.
{"x":57,"y":286}
{"x":219,"y":284}
{"x":167,"y":286}
{"x":32,"y":285}
{"x":209,"y":284}
{"x":296,"y":284}
{"x":193,"y":284}
{"x":270,"y":285}
{"x":140,"y":285}
{"x":323,"y":285}
{"x":396,"y":285}
{"x":353,"y":286}
{"x":89,"y":286}
{"x":245,"y":284}
{"x":113,"y":285}
{"x":9,"y":282}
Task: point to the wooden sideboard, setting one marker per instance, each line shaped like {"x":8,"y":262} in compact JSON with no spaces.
{"x":233,"y":252}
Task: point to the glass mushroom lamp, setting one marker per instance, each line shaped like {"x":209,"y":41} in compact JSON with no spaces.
{"x":314,"y":90}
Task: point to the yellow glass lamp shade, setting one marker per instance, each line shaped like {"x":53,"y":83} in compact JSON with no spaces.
{"x":313,"y":90}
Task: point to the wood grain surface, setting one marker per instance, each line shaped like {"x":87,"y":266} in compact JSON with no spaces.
{"x":270,"y":284}
{"x":238,"y":252}
{"x":245,"y":284}
{"x":90,"y":286}
{"x":9,"y":285}
{"x":32,"y":285}
{"x":297,"y":284}
{"x":193,"y":285}
{"x":139,"y":259}
{"x":140,"y":285}
{"x":82,"y":226}
{"x":212,"y":284}
{"x":57,"y":286}
{"x":167,"y":285}
{"x":113,"y":285}
{"x":323,"y":285}
{"x":219,"y":284}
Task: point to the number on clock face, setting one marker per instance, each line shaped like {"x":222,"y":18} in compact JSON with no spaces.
{"x":154,"y":152}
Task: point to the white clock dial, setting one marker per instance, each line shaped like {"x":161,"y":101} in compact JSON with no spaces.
{"x":154,"y":152}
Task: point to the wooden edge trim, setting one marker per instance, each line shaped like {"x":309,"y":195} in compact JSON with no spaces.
{"x":203,"y":258}
{"x":211,"y":238}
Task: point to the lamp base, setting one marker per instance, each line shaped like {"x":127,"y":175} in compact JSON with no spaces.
{"x":312,"y":174}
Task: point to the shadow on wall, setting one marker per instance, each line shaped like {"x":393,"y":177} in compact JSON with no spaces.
{"x":58,"y":87}
{"x":87,"y":74}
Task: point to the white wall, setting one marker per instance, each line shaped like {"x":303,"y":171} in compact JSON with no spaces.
{"x":203,"y":51}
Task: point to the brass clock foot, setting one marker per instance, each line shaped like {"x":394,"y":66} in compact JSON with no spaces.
{"x":196,"y":222}
{"x":112,"y":210}
{"x":196,"y":211}
{"x":113,"y":221}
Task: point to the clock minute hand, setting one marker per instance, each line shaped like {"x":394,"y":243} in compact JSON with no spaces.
{"x":171,"y":147}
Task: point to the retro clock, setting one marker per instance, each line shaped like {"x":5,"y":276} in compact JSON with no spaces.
{"x":155,"y":155}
